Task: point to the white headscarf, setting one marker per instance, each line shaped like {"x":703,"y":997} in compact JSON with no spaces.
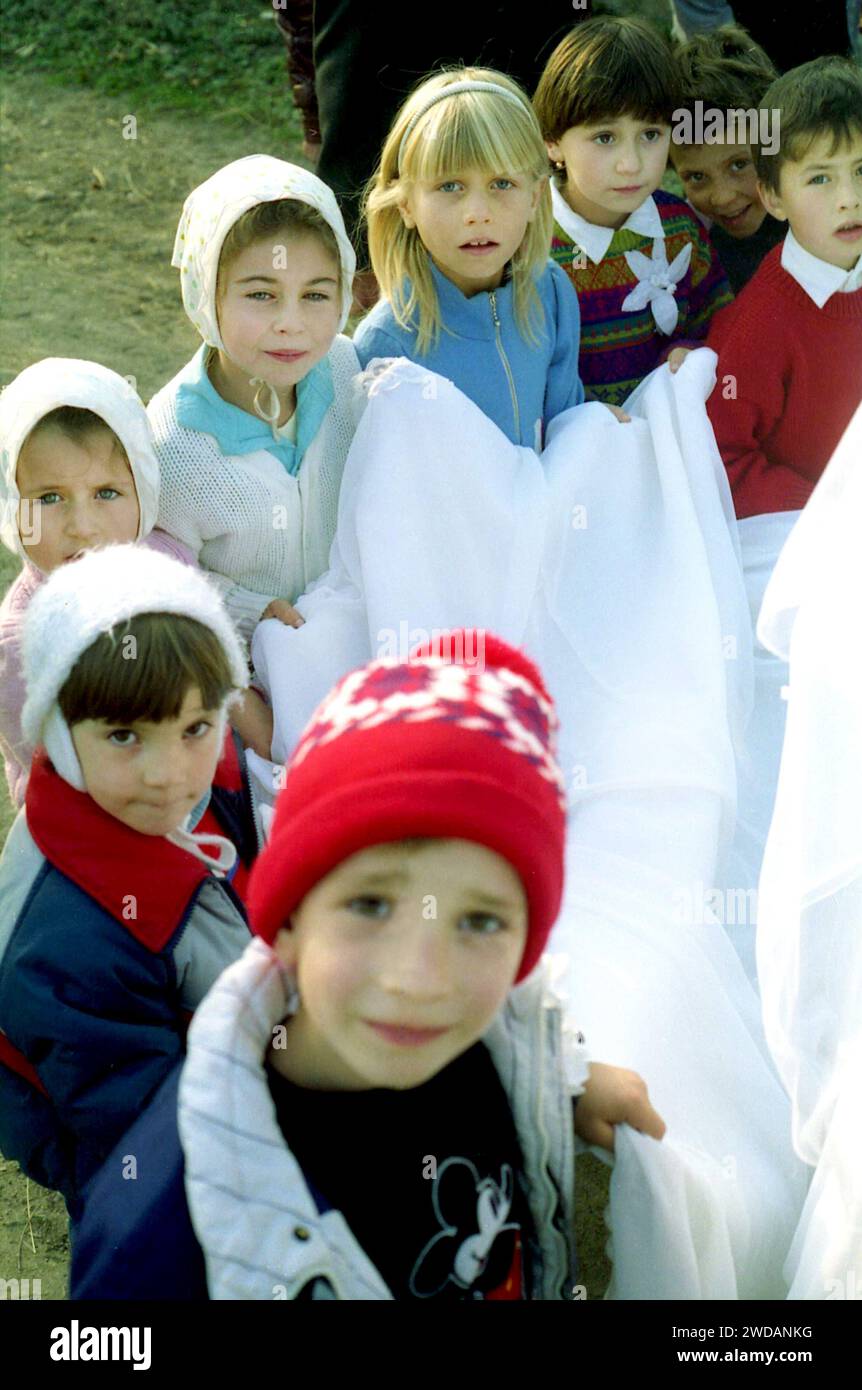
{"x":211,"y":210}
{"x":58,"y":381}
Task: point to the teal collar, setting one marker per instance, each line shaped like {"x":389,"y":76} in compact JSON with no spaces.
{"x":200,"y":407}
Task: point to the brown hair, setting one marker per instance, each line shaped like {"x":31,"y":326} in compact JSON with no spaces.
{"x":605,"y":68}
{"x":823,"y":97}
{"x":72,"y":421}
{"x":149,"y":677}
{"x":724,"y":68}
{"x":285,"y":216}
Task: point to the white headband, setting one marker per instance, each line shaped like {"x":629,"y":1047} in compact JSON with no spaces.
{"x":452,"y":90}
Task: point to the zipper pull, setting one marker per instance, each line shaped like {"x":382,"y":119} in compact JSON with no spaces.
{"x":493,"y":298}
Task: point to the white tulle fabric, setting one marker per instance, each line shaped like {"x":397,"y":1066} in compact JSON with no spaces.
{"x":761,"y":540}
{"x":809,"y":941}
{"x":613,"y":560}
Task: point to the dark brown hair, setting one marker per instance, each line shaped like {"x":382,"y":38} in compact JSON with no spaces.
{"x":142,"y":670}
{"x":724,"y":69}
{"x":72,"y":421}
{"x":603,"y":69}
{"x":823,"y":97}
{"x":284,"y":216}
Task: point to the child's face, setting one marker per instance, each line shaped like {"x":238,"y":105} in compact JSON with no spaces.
{"x":611,"y":167}
{"x":721,"y":182}
{"x":278,"y":311}
{"x":74,"y":496}
{"x":402,"y":957}
{"x":149,"y":776}
{"x":821,"y":197}
{"x":472,"y":223}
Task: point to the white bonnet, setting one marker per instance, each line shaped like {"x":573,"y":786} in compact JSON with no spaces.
{"x":80,"y":601}
{"x":213,"y":207}
{"x":57,"y":381}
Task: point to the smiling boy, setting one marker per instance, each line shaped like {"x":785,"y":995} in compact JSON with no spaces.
{"x":790,"y":347}
{"x":725,"y":72}
{"x":368,"y":1109}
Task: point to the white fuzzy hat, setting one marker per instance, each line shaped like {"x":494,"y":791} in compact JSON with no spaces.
{"x":90,"y":596}
{"x":57,"y":381}
{"x":213,"y":207}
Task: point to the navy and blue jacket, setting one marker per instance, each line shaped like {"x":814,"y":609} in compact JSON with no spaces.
{"x":108,"y":941}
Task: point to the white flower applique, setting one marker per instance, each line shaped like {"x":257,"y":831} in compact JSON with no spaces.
{"x":657,"y":282}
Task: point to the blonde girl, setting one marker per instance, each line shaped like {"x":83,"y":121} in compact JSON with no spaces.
{"x":459,"y":226}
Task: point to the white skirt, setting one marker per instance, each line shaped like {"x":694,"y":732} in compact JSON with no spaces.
{"x":809,"y":934}
{"x":613,"y":561}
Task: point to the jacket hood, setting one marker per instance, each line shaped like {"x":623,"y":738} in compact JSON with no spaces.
{"x":57,"y":381}
{"x":212,"y":209}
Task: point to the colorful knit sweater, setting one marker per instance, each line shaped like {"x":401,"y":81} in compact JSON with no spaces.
{"x":620,"y":347}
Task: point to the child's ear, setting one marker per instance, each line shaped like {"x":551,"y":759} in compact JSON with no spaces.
{"x":407,"y":214}
{"x":771,"y":201}
{"x":555,"y":154}
{"x":538,"y":191}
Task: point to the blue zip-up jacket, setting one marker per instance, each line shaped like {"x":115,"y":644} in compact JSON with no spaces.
{"x":519,"y":386}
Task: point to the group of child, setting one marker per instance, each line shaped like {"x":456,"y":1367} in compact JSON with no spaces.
{"x":414,"y":866}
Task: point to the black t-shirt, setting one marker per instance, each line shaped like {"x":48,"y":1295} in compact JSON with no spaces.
{"x":429,"y":1180}
{"x":741,"y":256}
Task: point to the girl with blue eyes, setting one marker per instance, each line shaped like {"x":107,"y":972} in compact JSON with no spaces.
{"x":647,"y":279}
{"x":459,"y":226}
{"x":253,"y":433}
{"x":77,"y":471}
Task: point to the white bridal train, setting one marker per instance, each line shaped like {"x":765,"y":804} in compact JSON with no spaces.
{"x":613,"y":560}
{"x":809,"y":935}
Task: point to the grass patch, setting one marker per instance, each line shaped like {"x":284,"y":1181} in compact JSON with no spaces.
{"x":227,"y":60}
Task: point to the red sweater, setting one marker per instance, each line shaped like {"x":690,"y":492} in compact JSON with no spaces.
{"x":789,"y":378}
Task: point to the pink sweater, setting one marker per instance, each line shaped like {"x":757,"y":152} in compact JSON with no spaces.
{"x":16,"y":752}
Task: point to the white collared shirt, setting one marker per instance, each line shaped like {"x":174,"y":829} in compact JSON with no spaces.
{"x":818,"y":278}
{"x":288,"y":429}
{"x":594,"y":241}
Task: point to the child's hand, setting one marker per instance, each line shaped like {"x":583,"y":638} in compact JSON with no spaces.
{"x":619,"y":414}
{"x":284,"y":611}
{"x":676,"y":358}
{"x":614,"y":1096}
{"x":252,"y":718}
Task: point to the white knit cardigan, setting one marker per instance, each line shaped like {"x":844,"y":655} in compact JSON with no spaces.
{"x":260,"y":532}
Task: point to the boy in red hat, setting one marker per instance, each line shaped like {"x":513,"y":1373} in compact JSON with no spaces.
{"x":368,"y":1109}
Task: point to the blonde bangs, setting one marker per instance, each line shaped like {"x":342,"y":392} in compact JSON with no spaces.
{"x":474,"y":130}
{"x":478,"y":130}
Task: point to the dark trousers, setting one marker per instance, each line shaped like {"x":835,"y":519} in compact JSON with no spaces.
{"x":369,"y":56}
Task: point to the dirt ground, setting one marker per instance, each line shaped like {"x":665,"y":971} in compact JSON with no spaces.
{"x":88,"y":221}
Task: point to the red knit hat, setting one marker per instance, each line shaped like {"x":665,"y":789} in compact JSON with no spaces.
{"x":433,"y":747}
